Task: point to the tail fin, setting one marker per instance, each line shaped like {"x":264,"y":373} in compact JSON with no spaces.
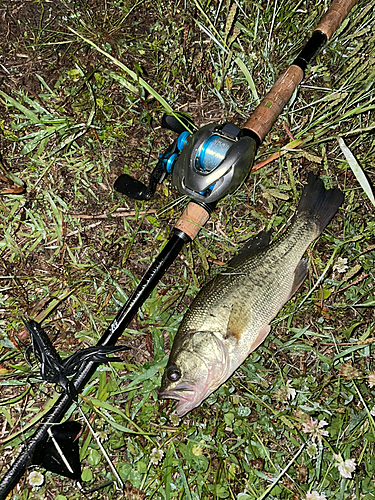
{"x":319,"y":203}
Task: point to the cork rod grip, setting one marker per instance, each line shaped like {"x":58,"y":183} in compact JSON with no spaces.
{"x":334,"y":16}
{"x":193,"y":218}
{"x":271,"y":106}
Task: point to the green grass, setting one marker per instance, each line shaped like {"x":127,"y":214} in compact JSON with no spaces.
{"x":86,"y":85}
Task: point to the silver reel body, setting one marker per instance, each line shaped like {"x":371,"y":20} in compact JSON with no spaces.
{"x":214,"y":161}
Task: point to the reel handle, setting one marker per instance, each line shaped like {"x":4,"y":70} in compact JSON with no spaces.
{"x":177,"y":123}
{"x":137,"y":190}
{"x":133,"y":188}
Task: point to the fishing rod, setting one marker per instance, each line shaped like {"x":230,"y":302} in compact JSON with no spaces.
{"x":206,"y":165}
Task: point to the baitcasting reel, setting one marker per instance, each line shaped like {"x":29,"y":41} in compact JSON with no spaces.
{"x":205,"y":165}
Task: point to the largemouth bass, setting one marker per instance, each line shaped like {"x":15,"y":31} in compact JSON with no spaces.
{"x":230,"y":317}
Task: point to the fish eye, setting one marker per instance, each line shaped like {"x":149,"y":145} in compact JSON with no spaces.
{"x":173,"y":373}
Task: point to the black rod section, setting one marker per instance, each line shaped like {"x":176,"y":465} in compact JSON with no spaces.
{"x":110,"y":337}
{"x":312,"y":48}
{"x":145,"y":287}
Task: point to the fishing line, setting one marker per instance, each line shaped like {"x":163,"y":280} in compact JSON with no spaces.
{"x":119,"y":484}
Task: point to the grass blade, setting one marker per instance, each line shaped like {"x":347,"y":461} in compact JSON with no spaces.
{"x":127,"y":70}
{"x":249,"y":78}
{"x":357,"y":170}
{"x":34,"y":118}
{"x":282,"y":473}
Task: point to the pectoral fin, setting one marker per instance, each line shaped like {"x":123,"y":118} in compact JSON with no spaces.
{"x":239,"y":319}
{"x":261,"y":336}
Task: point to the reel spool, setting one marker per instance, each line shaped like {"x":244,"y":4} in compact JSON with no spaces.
{"x":206,"y":165}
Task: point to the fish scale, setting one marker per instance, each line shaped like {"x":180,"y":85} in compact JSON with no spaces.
{"x":230,"y":316}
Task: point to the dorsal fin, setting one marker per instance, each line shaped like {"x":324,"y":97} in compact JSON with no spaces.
{"x":252,"y":245}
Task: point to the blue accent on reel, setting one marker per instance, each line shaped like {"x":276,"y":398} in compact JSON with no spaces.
{"x":168,"y":162}
{"x":208,"y":190}
{"x":181,"y":140}
{"x":168,"y":159}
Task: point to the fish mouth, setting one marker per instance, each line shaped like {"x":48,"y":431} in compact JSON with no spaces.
{"x":207,"y":376}
{"x":185,"y":395}
{"x":176,"y":393}
{"x":187,"y":398}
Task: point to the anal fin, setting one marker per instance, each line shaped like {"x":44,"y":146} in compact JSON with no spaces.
{"x":260,"y":338}
{"x":300,"y":274}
